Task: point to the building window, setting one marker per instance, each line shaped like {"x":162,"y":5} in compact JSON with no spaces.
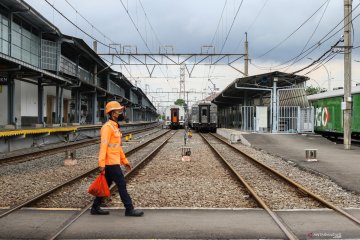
{"x":48,"y":55}
{"x":4,"y":34}
{"x":24,"y":43}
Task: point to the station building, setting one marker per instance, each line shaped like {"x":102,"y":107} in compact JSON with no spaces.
{"x":271,"y":102}
{"x":51,"y":79}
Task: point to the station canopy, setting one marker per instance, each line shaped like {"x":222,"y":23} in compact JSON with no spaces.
{"x":232,"y":95}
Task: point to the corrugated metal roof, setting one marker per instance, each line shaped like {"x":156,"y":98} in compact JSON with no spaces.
{"x":231,"y":95}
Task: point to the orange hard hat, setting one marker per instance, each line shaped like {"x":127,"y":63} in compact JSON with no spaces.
{"x":113,"y":105}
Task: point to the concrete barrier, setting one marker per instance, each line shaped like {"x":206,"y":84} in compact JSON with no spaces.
{"x":234,"y":136}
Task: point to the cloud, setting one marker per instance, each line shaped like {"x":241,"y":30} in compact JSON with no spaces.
{"x":187,"y":25}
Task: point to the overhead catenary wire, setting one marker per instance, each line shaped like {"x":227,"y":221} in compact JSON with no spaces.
{"x":141,"y":36}
{"x":317,"y":60}
{"x":231,"y":26}
{"x":320,"y":64}
{"x":135,"y":26}
{"x":313,"y":47}
{"x":157,"y":38}
{"x":213,"y":39}
{"x":152,"y":28}
{"x":75,"y":25}
{"x":217,"y":28}
{"x":86,"y":33}
{"x":313,"y":33}
{"x":77,"y":12}
{"x":228,"y":34}
{"x":291,"y":34}
{"x":334,"y":34}
{"x":252,"y":23}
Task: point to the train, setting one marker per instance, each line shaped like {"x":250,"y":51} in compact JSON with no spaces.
{"x":175,"y":117}
{"x":203,"y":117}
{"x":329,"y":115}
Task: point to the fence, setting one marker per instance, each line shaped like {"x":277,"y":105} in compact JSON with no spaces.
{"x":293,"y":119}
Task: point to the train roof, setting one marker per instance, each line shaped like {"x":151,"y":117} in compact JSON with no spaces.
{"x":202,"y":102}
{"x":334,"y":93}
{"x":174,"y":106}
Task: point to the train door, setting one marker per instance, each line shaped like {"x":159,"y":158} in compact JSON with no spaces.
{"x":66,"y":110}
{"x":49,"y":109}
{"x":174,"y":115}
{"x":204,"y":114}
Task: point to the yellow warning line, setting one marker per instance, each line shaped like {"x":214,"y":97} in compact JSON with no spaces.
{"x":36,"y":131}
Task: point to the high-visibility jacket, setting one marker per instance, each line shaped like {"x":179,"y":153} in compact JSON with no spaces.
{"x":111,"y":152}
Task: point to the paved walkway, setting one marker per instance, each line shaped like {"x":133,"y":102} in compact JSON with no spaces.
{"x":180,"y":223}
{"x":342,"y":166}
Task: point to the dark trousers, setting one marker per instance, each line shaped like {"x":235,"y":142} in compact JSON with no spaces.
{"x":113,"y":173}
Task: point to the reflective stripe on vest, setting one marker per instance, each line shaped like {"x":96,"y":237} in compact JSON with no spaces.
{"x":114,"y":145}
{"x":115,"y":130}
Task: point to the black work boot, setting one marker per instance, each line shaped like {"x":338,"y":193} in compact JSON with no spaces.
{"x":98,"y":211}
{"x":134,"y":213}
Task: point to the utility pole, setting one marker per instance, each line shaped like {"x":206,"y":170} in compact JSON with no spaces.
{"x":182,"y":82}
{"x":246,"y":56}
{"x":346,"y":106}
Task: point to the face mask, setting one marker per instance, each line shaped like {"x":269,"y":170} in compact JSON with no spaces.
{"x":121,"y":117}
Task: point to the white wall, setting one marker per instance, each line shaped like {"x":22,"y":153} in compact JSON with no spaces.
{"x":4,"y":102}
{"x":26,"y":100}
{"x":3,"y":105}
{"x":17,"y":101}
{"x":29,"y":99}
{"x":51,"y":91}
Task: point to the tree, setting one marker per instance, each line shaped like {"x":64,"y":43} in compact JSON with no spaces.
{"x":310,"y":90}
{"x":180,"y":102}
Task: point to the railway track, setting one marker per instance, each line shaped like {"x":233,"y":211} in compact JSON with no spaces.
{"x":72,"y":180}
{"x":236,"y":165}
{"x":60,"y":149}
{"x":170,"y":182}
{"x":135,"y":168}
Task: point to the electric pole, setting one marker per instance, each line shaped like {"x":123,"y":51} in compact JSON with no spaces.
{"x":346,"y":106}
{"x":182,"y":82}
{"x":246,"y":56}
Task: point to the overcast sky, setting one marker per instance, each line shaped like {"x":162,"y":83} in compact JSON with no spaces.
{"x":189,"y":24}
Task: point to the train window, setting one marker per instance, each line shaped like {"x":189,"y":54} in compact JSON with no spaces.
{"x":204,"y":112}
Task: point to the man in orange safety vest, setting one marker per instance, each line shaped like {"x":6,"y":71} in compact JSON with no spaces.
{"x":111,"y":156}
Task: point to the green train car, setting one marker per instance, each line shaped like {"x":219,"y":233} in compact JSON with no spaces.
{"x":328,"y":113}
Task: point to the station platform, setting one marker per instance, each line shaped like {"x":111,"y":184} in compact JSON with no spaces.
{"x":16,"y":140}
{"x":180,"y":224}
{"x":342,"y":166}
{"x":54,"y":129}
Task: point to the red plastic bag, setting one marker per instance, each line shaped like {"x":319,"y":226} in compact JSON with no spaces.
{"x":99,"y":187}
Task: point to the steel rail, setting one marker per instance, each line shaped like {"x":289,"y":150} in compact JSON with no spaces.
{"x":46,"y":193}
{"x":30,"y":156}
{"x":127,"y":175}
{"x":286,"y":230}
{"x":295,"y":184}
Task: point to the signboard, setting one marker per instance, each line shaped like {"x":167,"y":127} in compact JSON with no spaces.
{"x":3,"y":78}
